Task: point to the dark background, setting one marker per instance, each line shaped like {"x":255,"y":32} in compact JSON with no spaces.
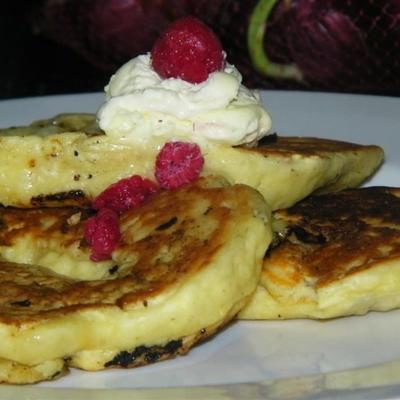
{"x":73,"y":46}
{"x":33,"y":65}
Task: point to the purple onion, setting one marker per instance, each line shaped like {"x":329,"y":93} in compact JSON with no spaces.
{"x":107,"y":32}
{"x":326,"y":44}
{"x":341,"y":45}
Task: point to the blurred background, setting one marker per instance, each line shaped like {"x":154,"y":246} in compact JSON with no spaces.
{"x":71,"y":46}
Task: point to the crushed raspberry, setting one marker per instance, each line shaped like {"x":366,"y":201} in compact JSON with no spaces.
{"x":178,"y":163}
{"x":102,"y":234}
{"x":125,"y":194}
{"x":189,"y":50}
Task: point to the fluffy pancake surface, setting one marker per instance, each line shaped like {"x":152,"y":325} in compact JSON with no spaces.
{"x":182,"y":270}
{"x":68,"y":161}
{"x":339,"y":254}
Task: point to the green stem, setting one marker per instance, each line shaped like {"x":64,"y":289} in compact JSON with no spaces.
{"x":255,"y":43}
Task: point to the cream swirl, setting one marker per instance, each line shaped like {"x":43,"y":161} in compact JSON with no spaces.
{"x":140,"y":104}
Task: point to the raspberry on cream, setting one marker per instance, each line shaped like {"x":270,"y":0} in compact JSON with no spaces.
{"x":140,"y":105}
{"x":187,"y":49}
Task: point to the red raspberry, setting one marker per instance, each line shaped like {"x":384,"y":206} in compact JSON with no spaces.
{"x":102,"y":234}
{"x":125,"y":194}
{"x":178,"y":163}
{"x":189,"y":50}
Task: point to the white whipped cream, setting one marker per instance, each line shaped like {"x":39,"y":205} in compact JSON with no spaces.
{"x":140,"y":104}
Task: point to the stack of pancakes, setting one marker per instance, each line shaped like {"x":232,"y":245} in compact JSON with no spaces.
{"x":240,"y":241}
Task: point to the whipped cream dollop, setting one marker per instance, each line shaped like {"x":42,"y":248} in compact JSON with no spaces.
{"x":140,"y":104}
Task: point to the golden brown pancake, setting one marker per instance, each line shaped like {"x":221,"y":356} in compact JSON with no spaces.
{"x":180,"y":272}
{"x":65,"y":161}
{"x":287,"y":169}
{"x":67,"y":122}
{"x":335,"y":255}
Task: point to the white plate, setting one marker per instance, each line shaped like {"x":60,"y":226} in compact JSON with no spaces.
{"x":260,"y":359}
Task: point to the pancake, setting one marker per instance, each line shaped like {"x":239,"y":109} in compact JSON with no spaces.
{"x":67,"y":122}
{"x":41,"y":167}
{"x":335,"y":255}
{"x":181,"y":271}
